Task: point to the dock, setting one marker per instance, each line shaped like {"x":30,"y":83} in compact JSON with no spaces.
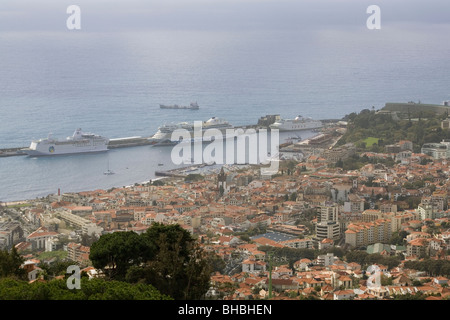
{"x":128,"y":142}
{"x":169,"y":174}
{"x":11,"y":152}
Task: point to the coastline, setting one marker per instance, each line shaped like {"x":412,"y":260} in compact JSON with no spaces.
{"x":180,"y":172}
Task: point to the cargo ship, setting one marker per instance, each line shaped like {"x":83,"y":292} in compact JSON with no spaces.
{"x":192,"y":106}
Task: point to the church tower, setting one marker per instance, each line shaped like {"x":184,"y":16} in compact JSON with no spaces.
{"x":222,"y":182}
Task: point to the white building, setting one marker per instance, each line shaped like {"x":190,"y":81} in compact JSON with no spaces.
{"x":328,"y":230}
{"x":253,"y":266}
{"x":329,"y":213}
{"x":439,"y":150}
{"x":325,"y":259}
{"x":51,"y":244}
{"x":39,"y":237}
{"x":425,"y":211}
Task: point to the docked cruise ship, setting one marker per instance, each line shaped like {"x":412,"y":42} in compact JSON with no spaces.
{"x":164,"y":134}
{"x":79,"y":142}
{"x":299,"y":123}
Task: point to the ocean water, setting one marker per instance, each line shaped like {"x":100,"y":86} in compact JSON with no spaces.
{"x":111,"y":83}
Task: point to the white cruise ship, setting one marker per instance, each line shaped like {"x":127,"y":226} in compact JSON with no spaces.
{"x":164,"y":133}
{"x":299,"y":123}
{"x":79,"y":142}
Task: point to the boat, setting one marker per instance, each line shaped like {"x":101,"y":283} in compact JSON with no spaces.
{"x":192,"y":106}
{"x":299,"y":123}
{"x":108,"y":172}
{"x":216,"y":123}
{"x":297,"y":137}
{"x":79,"y":142}
{"x":163,"y":137}
{"x":291,"y":140}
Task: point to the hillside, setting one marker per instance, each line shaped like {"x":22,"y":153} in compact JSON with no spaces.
{"x":371,"y":131}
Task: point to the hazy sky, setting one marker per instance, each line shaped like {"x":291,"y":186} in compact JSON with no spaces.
{"x":130,"y":15}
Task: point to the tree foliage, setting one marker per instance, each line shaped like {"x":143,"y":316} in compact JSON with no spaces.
{"x":114,"y":253}
{"x":431,"y":266}
{"x":408,"y":296}
{"x":398,"y":238}
{"x":365,"y":259}
{"x":177,"y":265}
{"x":192,"y":177}
{"x":10,"y":262}
{"x":94,"y":289}
{"x":289,"y":255}
{"x":166,"y":256}
{"x":57,"y":268}
{"x":368,"y":124}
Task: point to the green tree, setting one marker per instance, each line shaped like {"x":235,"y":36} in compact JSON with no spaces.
{"x":158,"y":183}
{"x":55,"y":269}
{"x":177,"y":265}
{"x":88,"y":240}
{"x":398,"y":238}
{"x":94,"y":289}
{"x":192,"y":177}
{"x":165,"y":256}
{"x":357,"y":256}
{"x":10,"y":264}
{"x":408,"y":296}
{"x":293,"y":196}
{"x":114,"y":253}
{"x":385,"y":280}
{"x":216,"y":262}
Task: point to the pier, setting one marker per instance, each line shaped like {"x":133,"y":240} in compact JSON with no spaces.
{"x":11,"y":152}
{"x":128,"y":142}
{"x":169,"y":174}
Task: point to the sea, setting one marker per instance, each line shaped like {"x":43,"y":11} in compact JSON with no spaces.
{"x":112,"y":82}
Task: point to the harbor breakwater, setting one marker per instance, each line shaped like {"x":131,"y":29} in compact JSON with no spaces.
{"x":131,"y":141}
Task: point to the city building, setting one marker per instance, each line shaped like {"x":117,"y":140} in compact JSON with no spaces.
{"x":328,"y":227}
{"x":11,"y":233}
{"x":439,"y":150}
{"x":328,"y":230}
{"x":39,"y":237}
{"x":365,"y":233}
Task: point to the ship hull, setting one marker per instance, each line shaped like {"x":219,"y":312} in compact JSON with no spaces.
{"x":34,"y":153}
{"x":296,"y":126}
{"x":52,"y":150}
{"x":282,"y":129}
{"x":173,"y":107}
